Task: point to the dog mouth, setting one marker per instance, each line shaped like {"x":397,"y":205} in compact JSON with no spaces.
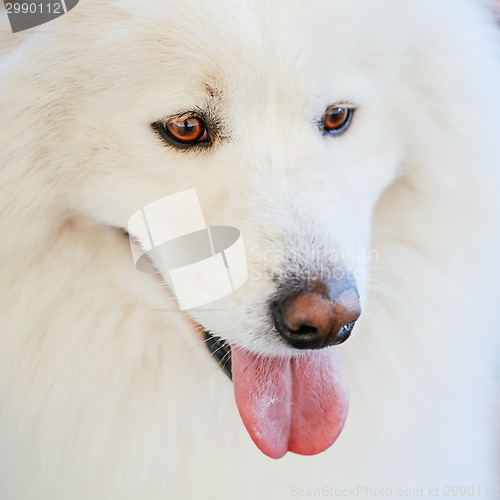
{"x":220,"y":351}
{"x":297,"y":404}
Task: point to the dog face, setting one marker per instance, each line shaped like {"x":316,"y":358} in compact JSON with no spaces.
{"x":290,"y":120}
{"x":284,"y":119}
{"x":271,"y":161}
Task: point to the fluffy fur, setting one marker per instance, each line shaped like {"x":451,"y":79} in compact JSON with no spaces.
{"x":106,"y":391}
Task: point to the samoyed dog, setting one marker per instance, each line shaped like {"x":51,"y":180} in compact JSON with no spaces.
{"x":355,"y":146}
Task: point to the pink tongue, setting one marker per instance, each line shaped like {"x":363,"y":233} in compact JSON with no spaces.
{"x":298,"y":404}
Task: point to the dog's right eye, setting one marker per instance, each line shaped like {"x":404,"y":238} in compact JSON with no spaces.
{"x":183,"y":131}
{"x":337,"y":119}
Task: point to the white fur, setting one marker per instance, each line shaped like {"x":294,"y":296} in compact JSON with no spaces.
{"x":106,"y":392}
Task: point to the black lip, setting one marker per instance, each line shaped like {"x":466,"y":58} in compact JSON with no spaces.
{"x":221,"y":351}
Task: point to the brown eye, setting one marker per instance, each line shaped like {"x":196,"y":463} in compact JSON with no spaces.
{"x":337,"y":119}
{"x":189,"y":130}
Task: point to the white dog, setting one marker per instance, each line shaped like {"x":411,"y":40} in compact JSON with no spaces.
{"x":339,"y":137}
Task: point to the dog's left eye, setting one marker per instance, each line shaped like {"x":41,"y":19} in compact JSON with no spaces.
{"x":183,"y":131}
{"x":337,"y":119}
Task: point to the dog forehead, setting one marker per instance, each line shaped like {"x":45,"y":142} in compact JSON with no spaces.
{"x":219,"y":52}
{"x":250,"y":41}
{"x":179,"y":50}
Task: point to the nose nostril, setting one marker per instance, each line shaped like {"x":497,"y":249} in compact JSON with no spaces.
{"x":308,"y":333}
{"x":348,"y":327}
{"x":306,"y":330}
{"x":344,"y":333}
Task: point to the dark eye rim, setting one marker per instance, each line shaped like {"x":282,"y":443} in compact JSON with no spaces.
{"x":351,"y":110}
{"x":160,"y":128}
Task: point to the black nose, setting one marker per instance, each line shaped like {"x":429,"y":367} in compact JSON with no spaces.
{"x":321,"y":315}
